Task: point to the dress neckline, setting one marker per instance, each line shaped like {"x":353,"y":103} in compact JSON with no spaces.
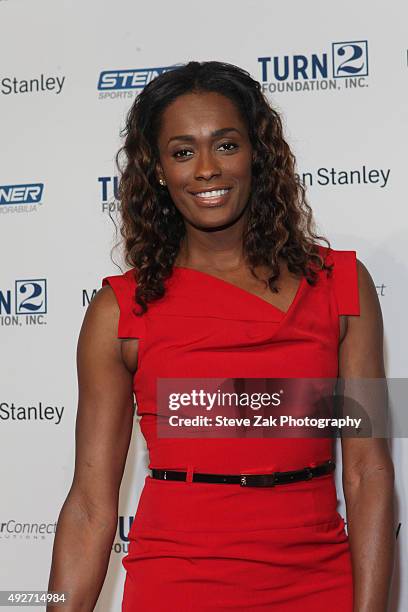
{"x":252,"y":296}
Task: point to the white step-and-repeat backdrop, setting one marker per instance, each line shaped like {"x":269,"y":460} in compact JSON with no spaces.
{"x":69,"y":71}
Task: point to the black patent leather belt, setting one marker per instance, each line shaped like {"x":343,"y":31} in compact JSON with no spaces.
{"x":251,"y":480}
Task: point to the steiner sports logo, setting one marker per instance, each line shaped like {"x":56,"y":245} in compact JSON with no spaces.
{"x":26,"y":304}
{"x":344,"y":66}
{"x":125,"y":83}
{"x":20,"y":198}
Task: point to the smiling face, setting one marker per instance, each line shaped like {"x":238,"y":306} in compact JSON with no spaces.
{"x":205,"y":158}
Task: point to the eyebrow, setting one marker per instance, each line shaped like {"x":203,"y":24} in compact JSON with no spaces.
{"x":215,"y":134}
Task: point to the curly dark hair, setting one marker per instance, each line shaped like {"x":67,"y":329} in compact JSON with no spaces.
{"x":279,"y":220}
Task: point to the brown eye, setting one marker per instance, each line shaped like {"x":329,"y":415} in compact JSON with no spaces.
{"x":230,"y":144}
{"x":179,"y":154}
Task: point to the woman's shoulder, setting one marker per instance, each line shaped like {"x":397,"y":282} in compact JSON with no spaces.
{"x":345,"y":277}
{"x":339,"y":256}
{"x":125,"y":280}
{"x":346,"y":262}
{"x":121,"y":297}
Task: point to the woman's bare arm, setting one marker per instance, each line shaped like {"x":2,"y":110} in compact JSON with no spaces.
{"x":87,"y":522}
{"x":368,"y":471}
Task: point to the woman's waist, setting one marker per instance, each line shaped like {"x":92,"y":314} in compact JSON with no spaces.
{"x":196,"y":506}
{"x":237,"y":456}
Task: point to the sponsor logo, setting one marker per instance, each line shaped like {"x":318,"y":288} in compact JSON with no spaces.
{"x":127,"y":83}
{"x":343,"y":66}
{"x":109,"y":193}
{"x":87,"y":296}
{"x":39,"y":412}
{"x":21,"y":198}
{"x":12,"y":85}
{"x":120,"y":546}
{"x":334,"y":177}
{"x":26,"y":305}
{"x":12,"y":529}
{"x":349,"y":59}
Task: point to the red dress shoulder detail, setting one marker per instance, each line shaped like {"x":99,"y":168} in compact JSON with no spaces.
{"x":124,"y":287}
{"x":344,"y":280}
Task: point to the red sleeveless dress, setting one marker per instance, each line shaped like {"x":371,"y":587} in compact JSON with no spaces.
{"x":203,"y":547}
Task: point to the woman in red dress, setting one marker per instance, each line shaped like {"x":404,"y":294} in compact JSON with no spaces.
{"x":227,"y":280}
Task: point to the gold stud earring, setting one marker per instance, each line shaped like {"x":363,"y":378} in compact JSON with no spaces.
{"x":162,"y":182}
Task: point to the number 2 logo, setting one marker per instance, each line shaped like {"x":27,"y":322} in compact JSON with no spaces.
{"x":350,"y":59}
{"x":31,"y":296}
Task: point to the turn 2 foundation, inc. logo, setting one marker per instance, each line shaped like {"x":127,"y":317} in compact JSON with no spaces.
{"x":109,"y":194}
{"x":24,"y":304}
{"x":121,"y":543}
{"x":342,"y":65}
